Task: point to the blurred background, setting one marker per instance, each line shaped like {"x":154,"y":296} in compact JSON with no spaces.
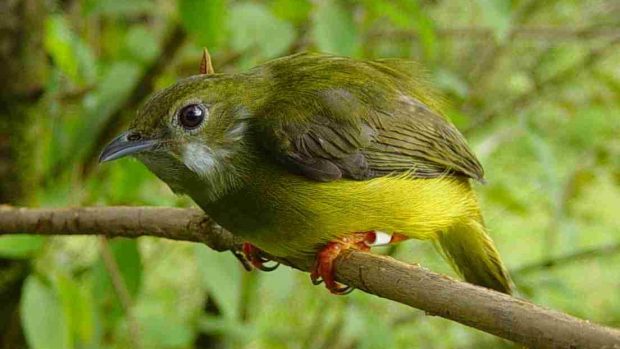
{"x":534,"y":85}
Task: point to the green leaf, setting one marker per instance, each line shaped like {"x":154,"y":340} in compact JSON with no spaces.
{"x":24,"y":246}
{"x":334,"y":30}
{"x":78,"y":308}
{"x":253,"y":28}
{"x":221,"y":276}
{"x":127,"y":257}
{"x":204,"y":20}
{"x":59,"y":44}
{"x":126,"y":254}
{"x":72,"y":56}
{"x":42,"y":317}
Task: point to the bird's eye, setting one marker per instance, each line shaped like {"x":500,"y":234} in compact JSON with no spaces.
{"x":191,"y":116}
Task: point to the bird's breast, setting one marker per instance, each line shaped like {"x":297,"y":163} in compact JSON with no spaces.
{"x":288,"y":215}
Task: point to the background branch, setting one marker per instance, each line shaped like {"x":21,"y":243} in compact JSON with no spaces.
{"x":121,"y":291}
{"x":539,"y":33}
{"x":487,"y":310}
{"x":569,"y":258}
{"x":541,"y":86}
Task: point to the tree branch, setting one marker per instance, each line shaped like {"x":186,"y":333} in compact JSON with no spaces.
{"x":487,"y":310}
{"x":549,"y":33}
{"x":577,"y":256}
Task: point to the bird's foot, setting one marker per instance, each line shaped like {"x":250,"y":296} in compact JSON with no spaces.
{"x":363,"y":241}
{"x":255,"y":257}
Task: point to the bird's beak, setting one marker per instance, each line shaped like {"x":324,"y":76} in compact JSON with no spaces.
{"x":127,"y":143}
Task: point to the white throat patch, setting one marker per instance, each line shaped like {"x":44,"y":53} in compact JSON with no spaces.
{"x":200,"y":159}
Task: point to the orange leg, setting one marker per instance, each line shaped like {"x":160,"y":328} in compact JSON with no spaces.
{"x":254,"y":255}
{"x":363,"y":241}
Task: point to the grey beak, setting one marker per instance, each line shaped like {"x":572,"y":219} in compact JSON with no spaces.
{"x":127,"y":143}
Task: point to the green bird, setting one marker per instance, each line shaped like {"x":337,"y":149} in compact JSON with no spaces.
{"x":311,"y":154}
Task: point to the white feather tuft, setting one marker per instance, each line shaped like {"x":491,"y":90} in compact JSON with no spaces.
{"x":199,"y":158}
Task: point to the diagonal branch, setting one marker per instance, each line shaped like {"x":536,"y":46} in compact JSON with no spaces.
{"x":121,"y":290}
{"x":577,"y":256}
{"x":489,"y":311}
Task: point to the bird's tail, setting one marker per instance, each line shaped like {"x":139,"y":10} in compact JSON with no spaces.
{"x":471,"y":252}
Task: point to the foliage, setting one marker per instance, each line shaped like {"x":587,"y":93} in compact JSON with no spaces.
{"x":539,"y":107}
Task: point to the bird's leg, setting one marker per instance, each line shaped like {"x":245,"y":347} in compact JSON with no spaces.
{"x":254,"y":255}
{"x":362,"y":241}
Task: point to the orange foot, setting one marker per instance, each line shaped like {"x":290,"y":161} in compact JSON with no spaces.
{"x":254,"y":255}
{"x":324,"y":264}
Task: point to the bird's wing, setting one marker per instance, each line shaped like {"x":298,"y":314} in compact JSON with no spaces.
{"x":417,"y":140}
{"x":412,"y":139}
{"x":334,"y":117}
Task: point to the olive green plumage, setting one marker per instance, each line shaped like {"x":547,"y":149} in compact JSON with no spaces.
{"x":332,"y":117}
{"x":308,"y":148}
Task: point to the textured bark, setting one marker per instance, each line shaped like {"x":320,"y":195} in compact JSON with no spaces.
{"x":487,"y":310}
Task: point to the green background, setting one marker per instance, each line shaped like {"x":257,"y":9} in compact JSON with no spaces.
{"x":533,"y":85}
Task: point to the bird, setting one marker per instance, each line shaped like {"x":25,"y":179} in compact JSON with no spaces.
{"x":309,"y":155}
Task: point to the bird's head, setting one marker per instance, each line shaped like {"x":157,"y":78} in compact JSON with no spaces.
{"x":190,"y":134}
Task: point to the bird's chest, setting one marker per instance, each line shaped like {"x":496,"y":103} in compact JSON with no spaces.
{"x":270,"y":219}
{"x":288,"y":215}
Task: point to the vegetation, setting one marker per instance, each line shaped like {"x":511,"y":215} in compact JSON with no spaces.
{"x":534,"y":85}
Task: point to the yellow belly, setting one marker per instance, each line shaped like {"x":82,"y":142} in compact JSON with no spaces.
{"x":289,"y":215}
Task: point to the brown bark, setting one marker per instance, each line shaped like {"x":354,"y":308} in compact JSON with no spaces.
{"x":487,"y":310}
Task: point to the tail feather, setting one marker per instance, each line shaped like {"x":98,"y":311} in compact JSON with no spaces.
{"x":471,"y":252}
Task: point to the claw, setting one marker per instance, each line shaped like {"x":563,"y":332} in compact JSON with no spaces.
{"x":242,"y":259}
{"x":324,"y":266}
{"x":343,"y":291}
{"x":253,"y":255}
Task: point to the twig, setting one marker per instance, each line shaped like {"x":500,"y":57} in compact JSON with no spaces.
{"x":487,"y":310}
{"x":568,"y":259}
{"x":490,"y":55}
{"x":121,"y":290}
{"x":525,"y":33}
{"x":541,"y":86}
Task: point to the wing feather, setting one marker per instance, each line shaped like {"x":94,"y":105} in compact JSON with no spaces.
{"x":339,"y":133}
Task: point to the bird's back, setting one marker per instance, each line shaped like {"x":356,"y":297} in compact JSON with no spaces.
{"x":330,"y":117}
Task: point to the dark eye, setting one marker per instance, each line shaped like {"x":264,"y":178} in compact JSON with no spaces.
{"x":191,"y":116}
